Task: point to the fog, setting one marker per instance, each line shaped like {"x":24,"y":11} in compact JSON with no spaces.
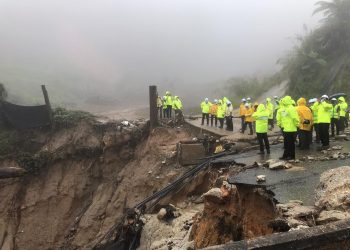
{"x":116,"y":48}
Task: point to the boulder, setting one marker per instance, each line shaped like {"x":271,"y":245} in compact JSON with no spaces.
{"x":326,"y":217}
{"x":277,"y":165}
{"x":333,"y":191}
{"x":299,"y":211}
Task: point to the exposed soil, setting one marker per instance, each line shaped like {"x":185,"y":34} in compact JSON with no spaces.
{"x":235,"y":214}
{"x":94,"y":173}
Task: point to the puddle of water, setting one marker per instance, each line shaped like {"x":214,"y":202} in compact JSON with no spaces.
{"x":296,"y":183}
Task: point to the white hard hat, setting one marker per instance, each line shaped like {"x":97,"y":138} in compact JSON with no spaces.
{"x":248,"y":99}
{"x":325,"y":97}
{"x":228,"y":102}
{"x":244,"y":100}
{"x":312,"y":100}
{"x":215,"y":100}
{"x":247,"y":104}
{"x":333,"y":99}
{"x":276,"y":97}
{"x":206,"y":99}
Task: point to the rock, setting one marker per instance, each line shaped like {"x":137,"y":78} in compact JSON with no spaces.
{"x":161,"y":214}
{"x":333,"y":191}
{"x":299,"y":227}
{"x":288,"y":165}
{"x":335,"y":156}
{"x":340,"y":137}
{"x":328,"y":216}
{"x":310,"y":158}
{"x":278,"y":165}
{"x":337,"y":147}
{"x":261,"y":178}
{"x":213,"y":194}
{"x":279,"y":225}
{"x":298,"y":211}
{"x":282,"y":208}
{"x":296,"y":202}
{"x":293,"y":223}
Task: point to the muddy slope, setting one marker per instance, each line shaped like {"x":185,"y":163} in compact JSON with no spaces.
{"x":93,"y":174}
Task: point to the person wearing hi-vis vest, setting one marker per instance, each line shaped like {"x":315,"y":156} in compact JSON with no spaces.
{"x":343,"y":106}
{"x":205,"y":107}
{"x":334,"y":117}
{"x":324,"y":120}
{"x":261,"y":117}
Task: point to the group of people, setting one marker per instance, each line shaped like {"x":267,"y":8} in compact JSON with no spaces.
{"x":295,"y":119}
{"x":167,"y":104}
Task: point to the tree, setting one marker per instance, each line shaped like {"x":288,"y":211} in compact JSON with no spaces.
{"x":320,"y":60}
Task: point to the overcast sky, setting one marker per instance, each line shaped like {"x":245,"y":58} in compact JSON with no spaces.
{"x":119,"y":44}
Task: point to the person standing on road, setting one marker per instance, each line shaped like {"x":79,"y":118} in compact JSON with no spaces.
{"x":270,"y":109}
{"x":242,"y":110}
{"x":248,"y":118}
{"x":228,"y":115}
{"x":213,"y":113}
{"x":205,"y":106}
{"x":289,"y":121}
{"x":305,"y":125}
{"x":324,"y":120}
{"x":221,"y":113}
{"x":177,"y":105}
{"x":334,"y":117}
{"x":165,"y":107}
{"x":314,"y":108}
{"x":169,"y":103}
{"x":160,"y":106}
{"x":261,"y":117}
{"x":343,"y":106}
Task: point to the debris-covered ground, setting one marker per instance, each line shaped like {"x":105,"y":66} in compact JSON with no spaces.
{"x":74,"y":182}
{"x":78,"y":180}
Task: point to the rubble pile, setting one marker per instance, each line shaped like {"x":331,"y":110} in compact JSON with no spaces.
{"x":333,"y":196}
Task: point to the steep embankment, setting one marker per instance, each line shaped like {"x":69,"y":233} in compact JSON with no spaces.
{"x":79,"y":182}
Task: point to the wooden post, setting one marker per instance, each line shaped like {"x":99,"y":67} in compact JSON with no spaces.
{"x":47,"y":101}
{"x":153,"y":106}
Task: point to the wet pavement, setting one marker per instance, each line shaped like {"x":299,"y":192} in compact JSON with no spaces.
{"x":297,"y":183}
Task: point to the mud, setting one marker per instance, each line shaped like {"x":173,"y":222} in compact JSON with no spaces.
{"x":241,"y":213}
{"x":94,"y":173}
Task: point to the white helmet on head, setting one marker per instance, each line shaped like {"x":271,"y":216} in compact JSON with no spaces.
{"x":216,"y":101}
{"x":244,"y":100}
{"x":325,"y":97}
{"x":248,"y":99}
{"x":275,"y":97}
{"x":206,"y":99}
{"x":312,"y":100}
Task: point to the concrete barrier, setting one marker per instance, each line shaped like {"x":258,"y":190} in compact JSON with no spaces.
{"x":334,"y":236}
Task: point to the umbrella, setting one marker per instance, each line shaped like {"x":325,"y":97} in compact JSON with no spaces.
{"x":337,"y":95}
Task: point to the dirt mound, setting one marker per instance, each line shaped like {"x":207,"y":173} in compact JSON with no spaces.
{"x":232,"y":214}
{"x":93,"y":173}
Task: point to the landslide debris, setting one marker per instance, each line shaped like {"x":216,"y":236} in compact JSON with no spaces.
{"x":233,"y":213}
{"x":81,"y":177}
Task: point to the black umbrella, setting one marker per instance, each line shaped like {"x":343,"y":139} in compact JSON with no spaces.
{"x":337,"y":95}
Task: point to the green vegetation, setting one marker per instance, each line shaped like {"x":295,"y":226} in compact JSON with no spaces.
{"x":9,"y":141}
{"x":237,"y":88}
{"x":320,"y":62}
{"x":64,"y":118}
